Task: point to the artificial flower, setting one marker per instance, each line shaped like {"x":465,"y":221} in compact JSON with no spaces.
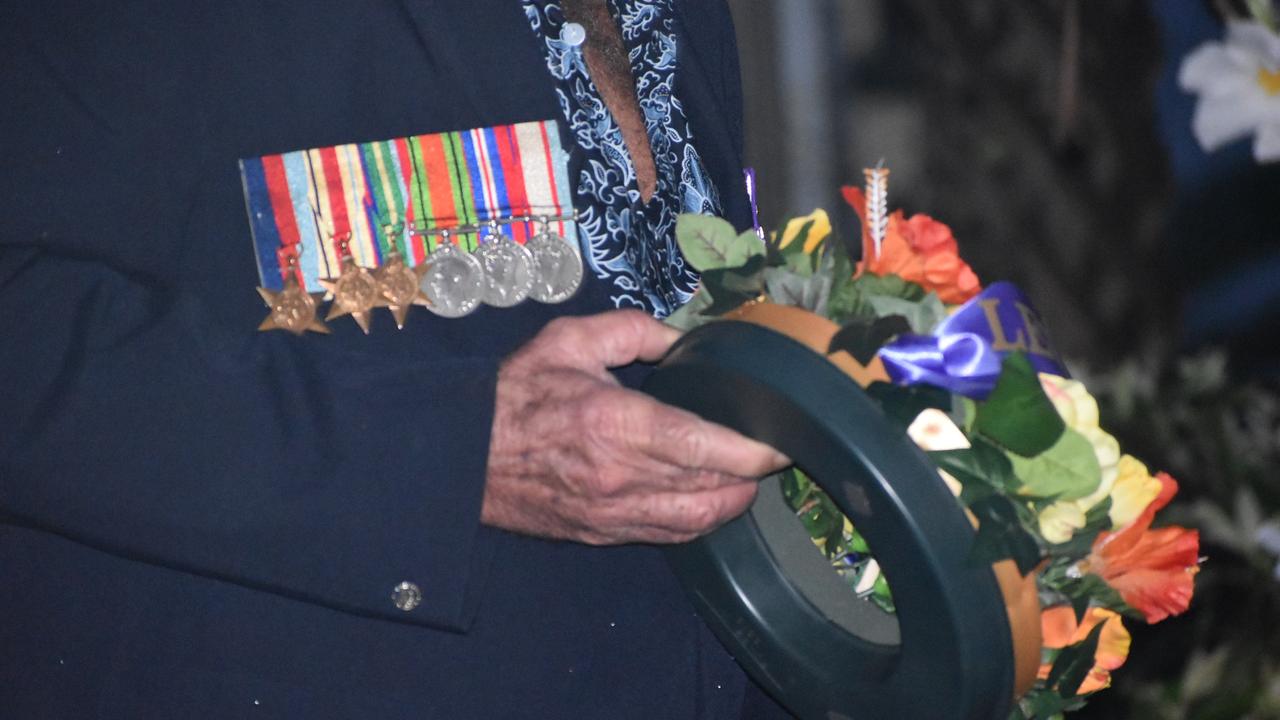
{"x":1059,"y":629}
{"x":1133,"y":491}
{"x":1079,"y":411}
{"x":1061,"y":520}
{"x":1238,"y":83}
{"x":1153,"y":570}
{"x":819,"y":228}
{"x":919,"y":250}
{"x":934,"y":430}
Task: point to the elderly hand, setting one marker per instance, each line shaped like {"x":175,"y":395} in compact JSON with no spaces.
{"x":576,"y":456}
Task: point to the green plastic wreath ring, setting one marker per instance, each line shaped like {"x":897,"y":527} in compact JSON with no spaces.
{"x":776,"y":603}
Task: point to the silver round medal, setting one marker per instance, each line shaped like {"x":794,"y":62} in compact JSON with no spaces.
{"x":557,"y":267}
{"x":508,"y":269}
{"x":454,"y":281}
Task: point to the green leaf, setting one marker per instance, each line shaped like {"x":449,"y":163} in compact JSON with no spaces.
{"x":1086,"y":590}
{"x":729,"y":288}
{"x":822,"y":519}
{"x":981,"y":466}
{"x":690,"y":316}
{"x":902,"y":403}
{"x":786,"y":287}
{"x":795,"y":487}
{"x":1068,"y":470}
{"x":1074,"y":663}
{"x":711,"y":243}
{"x":1046,"y":704}
{"x":851,"y":298}
{"x":1097,"y":519}
{"x":922,"y":315}
{"x":1018,"y":416}
{"x":857,"y":543}
{"x":747,"y":278}
{"x":862,"y":337}
{"x":1002,"y":535}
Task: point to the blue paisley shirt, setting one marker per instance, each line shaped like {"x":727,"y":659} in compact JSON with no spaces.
{"x":627,"y":243}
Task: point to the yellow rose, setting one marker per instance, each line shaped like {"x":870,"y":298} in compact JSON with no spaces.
{"x":1080,"y":412}
{"x":1072,"y":400}
{"x":1134,"y":490}
{"x":1061,"y":520}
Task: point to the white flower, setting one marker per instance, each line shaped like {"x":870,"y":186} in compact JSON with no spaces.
{"x":1238,"y":82}
{"x":934,"y":430}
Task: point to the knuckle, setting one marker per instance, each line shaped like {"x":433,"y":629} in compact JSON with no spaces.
{"x":562,"y":332}
{"x":626,"y":329}
{"x":607,"y":418}
{"x":689,"y":441}
{"x":604,"y":482}
{"x":701,"y":517}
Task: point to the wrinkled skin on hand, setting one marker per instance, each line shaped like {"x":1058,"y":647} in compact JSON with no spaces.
{"x":576,"y":456}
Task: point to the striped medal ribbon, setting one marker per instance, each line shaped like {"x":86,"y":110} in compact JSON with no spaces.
{"x":354,"y":219}
{"x":337,"y":184}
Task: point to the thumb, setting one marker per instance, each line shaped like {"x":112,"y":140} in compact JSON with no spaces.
{"x":617,"y":338}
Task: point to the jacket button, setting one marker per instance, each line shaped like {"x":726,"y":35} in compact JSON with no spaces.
{"x":407,"y":596}
{"x":573,"y":34}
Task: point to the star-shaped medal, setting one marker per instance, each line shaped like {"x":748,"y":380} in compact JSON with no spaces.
{"x":400,"y":286}
{"x":292,"y":309}
{"x":355,"y":293}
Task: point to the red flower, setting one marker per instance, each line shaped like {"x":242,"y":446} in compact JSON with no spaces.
{"x":919,"y":250}
{"x":1153,"y":570}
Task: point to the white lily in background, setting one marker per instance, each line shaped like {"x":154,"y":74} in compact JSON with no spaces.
{"x":1238,"y":83}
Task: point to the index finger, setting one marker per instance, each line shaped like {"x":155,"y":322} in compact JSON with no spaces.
{"x":680,"y":438}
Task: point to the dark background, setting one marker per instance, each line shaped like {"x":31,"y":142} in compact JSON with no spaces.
{"x":1052,"y":137}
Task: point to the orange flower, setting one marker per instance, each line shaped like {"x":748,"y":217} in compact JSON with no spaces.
{"x":919,"y":250}
{"x":1153,"y":570}
{"x":1059,"y":628}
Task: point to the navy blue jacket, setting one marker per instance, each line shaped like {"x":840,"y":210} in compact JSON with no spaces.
{"x":199,"y":520}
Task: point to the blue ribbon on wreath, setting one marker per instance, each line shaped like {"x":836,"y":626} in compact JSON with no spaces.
{"x":964,"y":353}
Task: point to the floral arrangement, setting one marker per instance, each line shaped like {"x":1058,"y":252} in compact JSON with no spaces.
{"x":968,"y":372}
{"x":1238,"y":84}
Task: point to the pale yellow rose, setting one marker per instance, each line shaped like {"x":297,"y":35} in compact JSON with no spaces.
{"x":1134,"y":490}
{"x":818,"y":232}
{"x":1080,"y":412}
{"x":1072,"y":400}
{"x":1060,"y":521}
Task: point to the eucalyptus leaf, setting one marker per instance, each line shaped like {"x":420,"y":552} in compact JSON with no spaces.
{"x":1068,"y":470}
{"x":804,"y":291}
{"x":711,"y":243}
{"x":690,"y":316}
{"x":746,"y":278}
{"x":923,"y":315}
{"x":1017,"y":415}
{"x":851,"y":297}
{"x":731,"y":287}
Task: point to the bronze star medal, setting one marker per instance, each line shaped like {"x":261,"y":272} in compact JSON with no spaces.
{"x":399,"y":286}
{"x":292,"y":309}
{"x":355,"y":293}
